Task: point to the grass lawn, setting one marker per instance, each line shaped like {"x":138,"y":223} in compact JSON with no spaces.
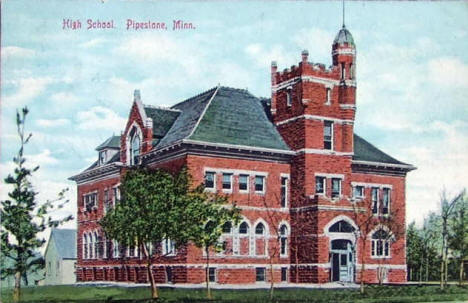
{"x":84,"y":293}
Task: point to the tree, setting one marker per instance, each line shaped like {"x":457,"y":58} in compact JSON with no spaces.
{"x":368,"y":215}
{"x":447,"y":206}
{"x":23,"y":217}
{"x":458,"y":240}
{"x":206,"y":233}
{"x":156,"y":206}
{"x":413,"y":250}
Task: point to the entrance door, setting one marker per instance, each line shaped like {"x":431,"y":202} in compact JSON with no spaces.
{"x":341,"y":258}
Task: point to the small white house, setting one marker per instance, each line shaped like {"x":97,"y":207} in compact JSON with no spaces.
{"x":60,"y":257}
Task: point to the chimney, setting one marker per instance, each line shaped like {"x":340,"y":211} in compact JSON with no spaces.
{"x":136,"y":95}
{"x":305,"y":55}
{"x":274,"y":69}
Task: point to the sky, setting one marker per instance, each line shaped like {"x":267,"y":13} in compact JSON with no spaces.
{"x":412,"y":76}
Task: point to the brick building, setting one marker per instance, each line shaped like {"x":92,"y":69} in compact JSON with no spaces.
{"x":306,"y":183}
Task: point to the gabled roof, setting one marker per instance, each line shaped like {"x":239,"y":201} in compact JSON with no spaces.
{"x":65,"y":242}
{"x":162,"y":119}
{"x":111,"y":142}
{"x":364,"y":151}
{"x":224,"y":115}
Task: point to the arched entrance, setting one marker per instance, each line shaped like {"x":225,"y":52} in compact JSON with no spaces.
{"x":342,"y":252}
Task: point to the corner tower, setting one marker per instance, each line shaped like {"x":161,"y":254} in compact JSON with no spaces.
{"x":313,"y":108}
{"x":312,"y":92}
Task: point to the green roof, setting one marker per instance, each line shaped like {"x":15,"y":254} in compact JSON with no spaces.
{"x":65,"y":242}
{"x":236,"y":117}
{"x":111,"y":142}
{"x":224,"y":115}
{"x":344,"y":36}
{"x":364,"y":151}
{"x":162,"y":119}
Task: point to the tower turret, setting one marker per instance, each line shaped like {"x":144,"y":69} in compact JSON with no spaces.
{"x":344,"y":53}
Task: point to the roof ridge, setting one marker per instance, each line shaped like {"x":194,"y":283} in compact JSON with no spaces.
{"x":203,"y":113}
{"x":161,"y":107}
{"x":196,"y":96}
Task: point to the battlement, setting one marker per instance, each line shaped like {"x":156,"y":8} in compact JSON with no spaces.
{"x":305,"y":68}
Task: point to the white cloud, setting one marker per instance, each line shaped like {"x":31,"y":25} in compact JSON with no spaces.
{"x":263,"y":56}
{"x":9,"y":52}
{"x":52,"y":122}
{"x":64,"y":98}
{"x":92,"y":43}
{"x":442,"y":163}
{"x":27,"y":90}
{"x":99,"y":117}
{"x":448,"y":72}
{"x":317,"y":41}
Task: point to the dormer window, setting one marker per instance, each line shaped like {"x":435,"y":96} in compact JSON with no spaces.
{"x":102,"y":157}
{"x":134,"y":147}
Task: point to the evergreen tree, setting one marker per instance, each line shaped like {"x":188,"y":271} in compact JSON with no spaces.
{"x":23,"y":217}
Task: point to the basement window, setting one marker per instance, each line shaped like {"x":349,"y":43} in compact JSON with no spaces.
{"x":212,"y":274}
{"x":260,"y":274}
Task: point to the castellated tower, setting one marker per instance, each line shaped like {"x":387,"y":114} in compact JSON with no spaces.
{"x":313,"y":108}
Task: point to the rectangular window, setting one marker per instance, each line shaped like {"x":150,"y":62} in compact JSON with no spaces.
{"x":210,"y":180}
{"x":328,"y":135}
{"x":343,"y":71}
{"x":336,"y":188}
{"x":212,"y":274}
{"x":260,"y":274}
{"x":106,"y":200}
{"x":244,"y":182}
{"x":386,"y":201}
{"x":284,"y":274}
{"x":358,"y":192}
{"x":320,"y":185}
{"x":375,"y":200}
{"x":227,"y":181}
{"x":259,"y":183}
{"x":328,"y":98}
{"x":288,"y":96}
{"x":284,"y":192}
{"x":90,"y":201}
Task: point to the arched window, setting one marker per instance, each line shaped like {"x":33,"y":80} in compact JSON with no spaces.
{"x":227,"y":227}
{"x":243,"y":228}
{"x":135,"y":142}
{"x":381,"y":244}
{"x":115,"y":249}
{"x":90,"y":246}
{"x":341,"y":227}
{"x":259,"y":229}
{"x":96,"y":245}
{"x":283,"y":231}
{"x":85,"y":246}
